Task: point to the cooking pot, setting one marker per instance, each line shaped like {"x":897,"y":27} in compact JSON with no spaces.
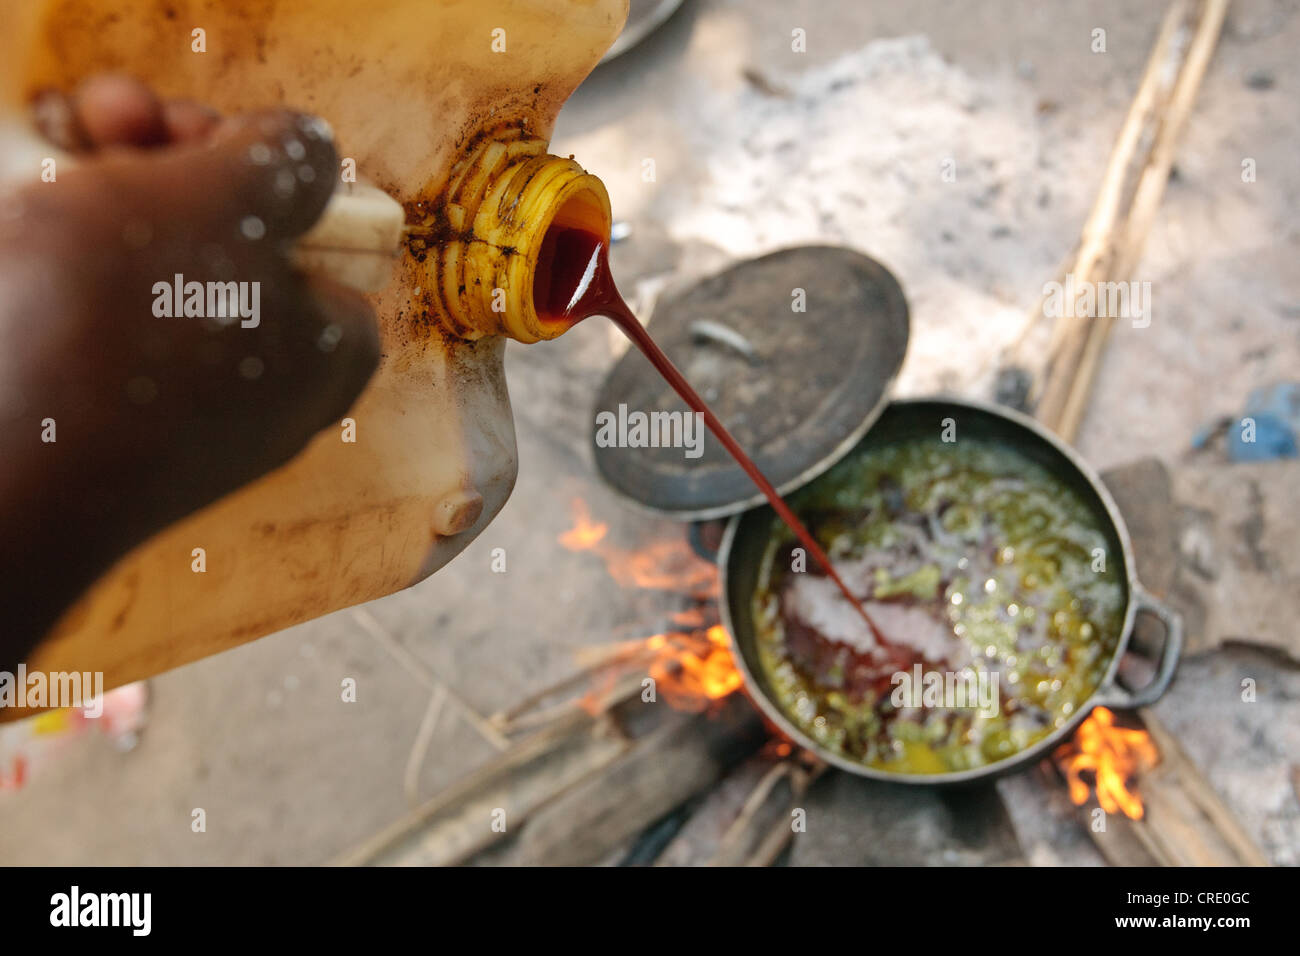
{"x":746,"y":537}
{"x":800,"y":390}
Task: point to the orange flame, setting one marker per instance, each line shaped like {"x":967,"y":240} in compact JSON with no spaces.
{"x":692,"y":672}
{"x":691,"y":664}
{"x":664,"y":565}
{"x":778,"y":748}
{"x":585,"y":533}
{"x":1113,"y":754}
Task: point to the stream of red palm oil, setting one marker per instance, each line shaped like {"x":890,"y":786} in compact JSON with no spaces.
{"x":573,"y":282}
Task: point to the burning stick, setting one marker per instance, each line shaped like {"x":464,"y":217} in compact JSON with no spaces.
{"x":691,"y":663}
{"x":1113,"y":755}
{"x":691,"y":669}
{"x":615,"y":692}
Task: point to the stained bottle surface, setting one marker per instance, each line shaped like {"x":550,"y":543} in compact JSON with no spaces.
{"x":447,"y":107}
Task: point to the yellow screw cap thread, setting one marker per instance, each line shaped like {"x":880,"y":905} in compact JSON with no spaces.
{"x":502,"y":203}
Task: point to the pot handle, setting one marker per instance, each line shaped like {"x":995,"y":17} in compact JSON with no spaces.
{"x":1116,"y":696}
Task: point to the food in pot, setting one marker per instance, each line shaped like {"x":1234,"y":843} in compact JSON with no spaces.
{"x":991,"y":583}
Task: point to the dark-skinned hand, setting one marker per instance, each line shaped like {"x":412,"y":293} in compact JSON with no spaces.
{"x":155,"y":417}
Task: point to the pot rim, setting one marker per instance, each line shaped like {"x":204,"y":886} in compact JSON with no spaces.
{"x":1107,"y":691}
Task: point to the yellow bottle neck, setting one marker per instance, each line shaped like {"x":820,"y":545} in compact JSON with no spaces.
{"x":484,"y":242}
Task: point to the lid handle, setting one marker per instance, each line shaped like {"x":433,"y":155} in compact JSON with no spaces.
{"x":707,"y":330}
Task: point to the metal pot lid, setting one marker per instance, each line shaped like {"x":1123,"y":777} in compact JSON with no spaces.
{"x":796,"y":388}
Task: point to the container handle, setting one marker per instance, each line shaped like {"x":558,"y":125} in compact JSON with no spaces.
{"x":1116,"y":696}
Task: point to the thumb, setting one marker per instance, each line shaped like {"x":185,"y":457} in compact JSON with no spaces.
{"x":325,"y":358}
{"x":261,"y":178}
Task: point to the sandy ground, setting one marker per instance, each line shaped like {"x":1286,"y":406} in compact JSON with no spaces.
{"x":754,"y":147}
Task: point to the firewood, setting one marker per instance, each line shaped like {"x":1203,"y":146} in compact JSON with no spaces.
{"x":763,"y":828}
{"x":599,"y":698}
{"x":686,"y":755}
{"x":591,"y":662}
{"x":459,"y":821}
{"x":1111,"y":245}
{"x":420,"y":671}
{"x":1186,"y":824}
{"x":1184,"y":821}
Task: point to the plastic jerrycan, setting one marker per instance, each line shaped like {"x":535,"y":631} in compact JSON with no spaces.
{"x":445,"y":105}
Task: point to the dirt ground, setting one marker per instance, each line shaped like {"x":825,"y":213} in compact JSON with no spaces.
{"x":755,"y":147}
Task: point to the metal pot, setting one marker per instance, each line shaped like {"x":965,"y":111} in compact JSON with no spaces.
{"x":747,"y":533}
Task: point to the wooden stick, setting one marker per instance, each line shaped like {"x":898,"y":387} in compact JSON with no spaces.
{"x":417,"y":669}
{"x":762,"y":830}
{"x":779,"y":837}
{"x":1146,"y":200}
{"x":1185,"y":822}
{"x":740,"y":828}
{"x":1111,"y":245}
{"x":688,"y":753}
{"x":420,"y":747}
{"x":1098,"y":238}
{"x":623,"y":655}
{"x":624,"y":688}
{"x":458,"y":822}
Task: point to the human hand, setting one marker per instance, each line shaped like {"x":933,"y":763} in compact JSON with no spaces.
{"x":155,"y":416}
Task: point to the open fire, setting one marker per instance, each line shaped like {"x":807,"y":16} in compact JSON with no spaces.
{"x":1112,"y":755}
{"x":691,"y":662}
